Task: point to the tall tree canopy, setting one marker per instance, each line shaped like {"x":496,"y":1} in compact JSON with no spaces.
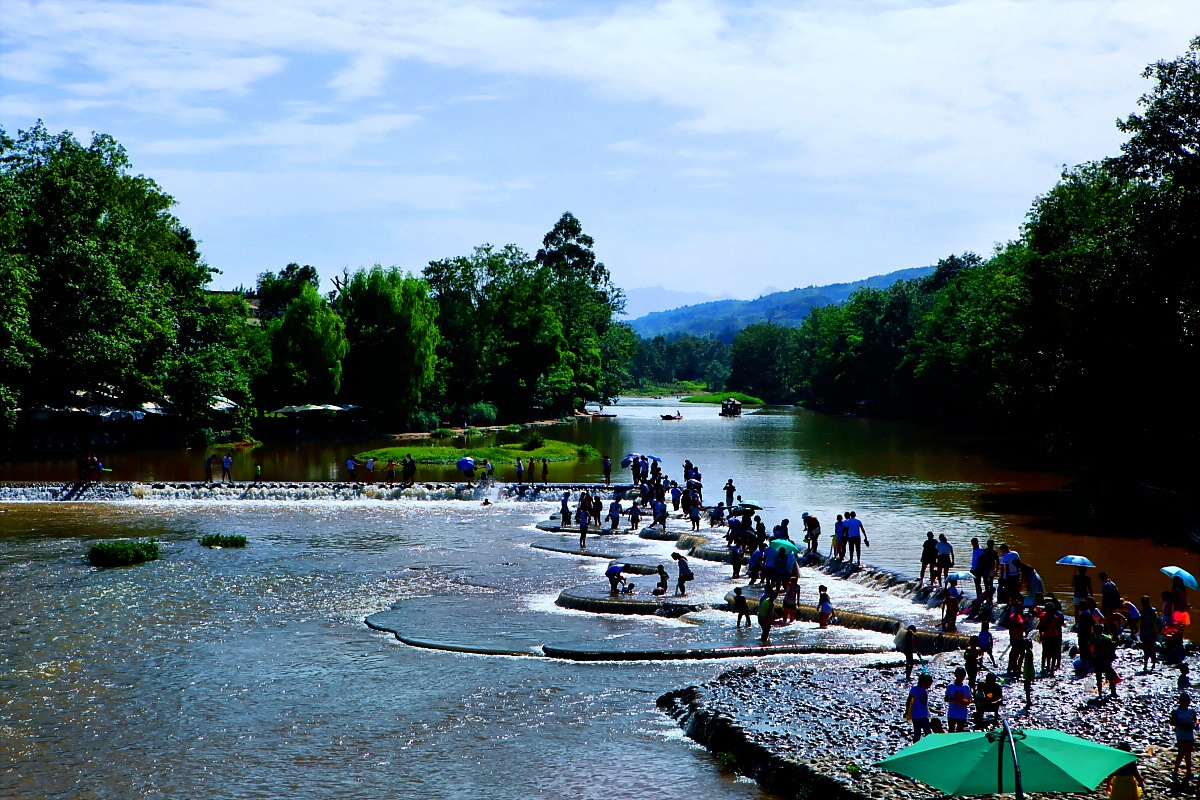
{"x":308,"y":344}
{"x":392,"y":336}
{"x":98,"y":278}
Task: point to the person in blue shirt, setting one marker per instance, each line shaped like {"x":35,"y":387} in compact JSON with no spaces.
{"x":565,"y":509}
{"x":918,"y":706}
{"x":855,"y":533}
{"x":614,"y":514}
{"x":755,"y":565}
{"x":615,"y":578}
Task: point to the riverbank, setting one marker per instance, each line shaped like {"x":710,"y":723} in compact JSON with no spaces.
{"x":804,"y":732}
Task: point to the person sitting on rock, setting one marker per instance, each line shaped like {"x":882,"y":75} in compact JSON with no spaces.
{"x":989,"y":696}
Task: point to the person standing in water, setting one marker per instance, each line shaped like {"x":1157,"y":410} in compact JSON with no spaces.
{"x":685,"y":574}
{"x":766,"y":614}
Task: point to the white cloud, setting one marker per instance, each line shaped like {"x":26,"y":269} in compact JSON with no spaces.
{"x":959,"y":109}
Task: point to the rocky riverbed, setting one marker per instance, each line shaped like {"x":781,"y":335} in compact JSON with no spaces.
{"x":815,"y":728}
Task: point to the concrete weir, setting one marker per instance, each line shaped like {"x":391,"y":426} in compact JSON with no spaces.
{"x":698,"y":653}
{"x":102,"y":491}
{"x":599,"y":599}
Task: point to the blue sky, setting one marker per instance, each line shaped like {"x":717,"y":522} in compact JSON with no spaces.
{"x":722,"y":147}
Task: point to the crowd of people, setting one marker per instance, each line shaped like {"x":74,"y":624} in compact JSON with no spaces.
{"x":772,"y":559}
{"x":1010,"y":597}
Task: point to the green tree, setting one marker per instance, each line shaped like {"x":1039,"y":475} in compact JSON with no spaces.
{"x":393,"y":336}
{"x":586,"y":301}
{"x":763,"y":357}
{"x":97,"y":273}
{"x":219,"y":354}
{"x":16,"y":343}
{"x":308,"y":344}
{"x":276,"y":292}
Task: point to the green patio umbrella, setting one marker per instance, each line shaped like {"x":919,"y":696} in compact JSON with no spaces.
{"x":785,"y":544}
{"x":1005,"y":760}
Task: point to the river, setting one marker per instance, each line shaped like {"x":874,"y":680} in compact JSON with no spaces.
{"x":250,"y":673}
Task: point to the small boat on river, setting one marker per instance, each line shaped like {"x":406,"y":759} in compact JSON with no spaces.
{"x":731,"y":408}
{"x":676,"y":415}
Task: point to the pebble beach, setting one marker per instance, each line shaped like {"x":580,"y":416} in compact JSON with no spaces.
{"x":816,"y":730}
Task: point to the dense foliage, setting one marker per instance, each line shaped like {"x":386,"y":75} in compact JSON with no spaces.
{"x":1075,"y":334}
{"x":103,"y":305}
{"x":678,"y":358}
{"x":101,"y":287}
{"x":529,"y":334}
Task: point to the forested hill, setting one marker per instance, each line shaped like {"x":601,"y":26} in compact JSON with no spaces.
{"x":726,"y":317}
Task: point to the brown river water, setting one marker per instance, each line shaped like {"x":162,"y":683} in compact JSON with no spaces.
{"x":250,"y":674}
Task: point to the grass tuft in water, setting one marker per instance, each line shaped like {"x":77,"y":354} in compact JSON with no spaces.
{"x":122,"y":553}
{"x":223,"y":540}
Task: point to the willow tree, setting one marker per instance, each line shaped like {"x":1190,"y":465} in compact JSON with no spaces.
{"x":308,"y":344}
{"x":392,"y":337}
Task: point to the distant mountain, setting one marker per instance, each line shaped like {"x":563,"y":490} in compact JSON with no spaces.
{"x":726,"y":317}
{"x":643,"y":301}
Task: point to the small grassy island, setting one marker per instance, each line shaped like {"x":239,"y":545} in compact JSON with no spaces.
{"x":716,"y":398}
{"x":122,"y":553}
{"x":534,"y":447}
{"x":222,"y":540}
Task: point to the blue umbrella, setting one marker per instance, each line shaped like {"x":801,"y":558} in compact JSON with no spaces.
{"x":629,"y":459}
{"x":1189,"y":580}
{"x":1075,"y":561}
{"x":466,"y":464}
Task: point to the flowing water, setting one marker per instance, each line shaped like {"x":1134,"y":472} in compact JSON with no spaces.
{"x":251,"y":674}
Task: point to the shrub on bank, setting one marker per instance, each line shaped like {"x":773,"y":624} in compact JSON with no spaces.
{"x":122,"y":553}
{"x":481,"y":414}
{"x":223,"y":540}
{"x":716,"y":398}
